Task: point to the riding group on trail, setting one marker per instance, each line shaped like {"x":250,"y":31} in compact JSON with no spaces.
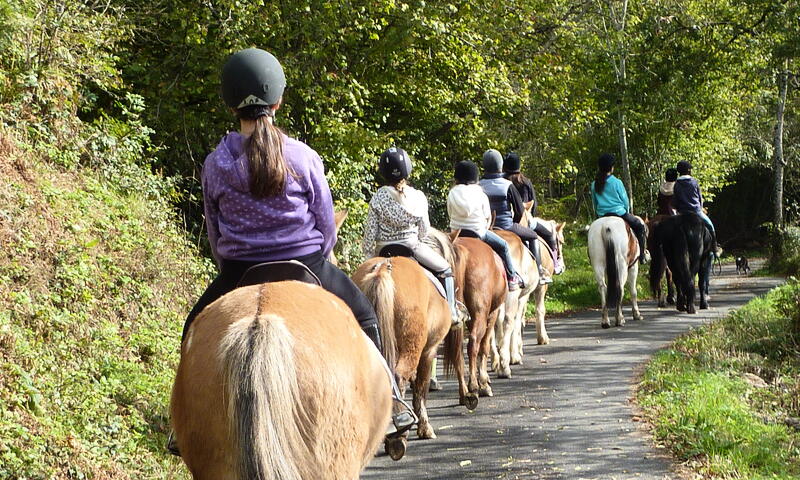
{"x":292,"y":370}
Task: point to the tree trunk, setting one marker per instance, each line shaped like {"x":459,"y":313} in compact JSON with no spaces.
{"x":777,"y":156}
{"x":623,"y":156}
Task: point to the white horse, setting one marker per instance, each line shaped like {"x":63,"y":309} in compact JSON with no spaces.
{"x":614,"y":254}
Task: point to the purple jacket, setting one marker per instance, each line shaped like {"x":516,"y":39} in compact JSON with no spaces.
{"x":686,"y":195}
{"x":242,"y":227}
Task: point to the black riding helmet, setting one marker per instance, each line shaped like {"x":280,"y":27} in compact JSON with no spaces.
{"x":394,"y":164}
{"x":252,"y":77}
{"x":671,"y":175}
{"x":466,"y":172}
{"x":512,"y":163}
{"x":684,"y":167}
{"x":605,"y":162}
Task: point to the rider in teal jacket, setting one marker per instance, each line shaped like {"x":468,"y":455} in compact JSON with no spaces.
{"x":610,"y":199}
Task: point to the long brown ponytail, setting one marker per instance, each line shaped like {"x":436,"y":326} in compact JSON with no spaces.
{"x":264,"y":149}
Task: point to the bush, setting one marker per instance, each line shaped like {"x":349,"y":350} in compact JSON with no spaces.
{"x":785,"y":255}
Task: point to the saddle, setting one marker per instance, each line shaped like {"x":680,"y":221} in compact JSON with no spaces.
{"x":270,"y":272}
{"x":398,"y":250}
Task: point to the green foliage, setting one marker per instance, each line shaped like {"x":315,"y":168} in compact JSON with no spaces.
{"x":785,"y":256}
{"x":94,"y":283}
{"x":704,"y":410}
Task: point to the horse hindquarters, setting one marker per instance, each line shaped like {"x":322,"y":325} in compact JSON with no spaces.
{"x":238,"y":409}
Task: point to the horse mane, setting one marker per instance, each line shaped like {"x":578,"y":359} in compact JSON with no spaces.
{"x":440,"y":242}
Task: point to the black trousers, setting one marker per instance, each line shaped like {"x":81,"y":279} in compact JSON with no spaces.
{"x":332,"y":279}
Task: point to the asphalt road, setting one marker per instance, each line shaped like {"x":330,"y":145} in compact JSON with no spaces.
{"x":565,"y":413}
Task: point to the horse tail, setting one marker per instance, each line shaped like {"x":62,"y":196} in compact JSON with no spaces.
{"x":267,"y":420}
{"x":613,"y":287}
{"x":378,"y":286}
{"x":453,"y":344}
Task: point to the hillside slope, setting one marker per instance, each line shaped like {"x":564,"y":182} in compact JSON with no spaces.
{"x":94,"y":284}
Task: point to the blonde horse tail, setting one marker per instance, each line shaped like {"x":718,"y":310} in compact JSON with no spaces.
{"x":268,"y":424}
{"x":378,"y":286}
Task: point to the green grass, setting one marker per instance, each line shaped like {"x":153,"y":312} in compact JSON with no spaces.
{"x":94,"y":285}
{"x":702,"y":407}
{"x":576,"y":288}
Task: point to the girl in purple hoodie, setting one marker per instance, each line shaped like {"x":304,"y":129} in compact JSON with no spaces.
{"x":266,"y":197}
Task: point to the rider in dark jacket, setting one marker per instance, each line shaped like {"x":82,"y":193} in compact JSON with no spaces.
{"x":512,"y":171}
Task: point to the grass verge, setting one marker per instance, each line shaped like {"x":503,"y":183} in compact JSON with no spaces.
{"x":94,"y":284}
{"x":725,"y":397}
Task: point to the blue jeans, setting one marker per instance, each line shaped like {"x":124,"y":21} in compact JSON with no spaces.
{"x":501,"y":248}
{"x":707,"y":221}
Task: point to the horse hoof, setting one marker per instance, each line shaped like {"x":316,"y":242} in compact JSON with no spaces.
{"x":671,"y":300}
{"x":638,"y":318}
{"x":395,"y":447}
{"x":662,"y":304}
{"x":690,"y":310}
{"x":425,"y":432}
{"x":516,"y":361}
{"x":703,"y":306}
{"x":544,"y":341}
{"x":504,"y":373}
{"x":485,"y":391}
{"x":434,"y":386}
{"x":680,"y":308}
{"x":605,"y":325}
{"x":470,"y":401}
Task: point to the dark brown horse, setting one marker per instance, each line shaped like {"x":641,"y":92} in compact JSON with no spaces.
{"x":480,"y":277}
{"x":659,"y":268}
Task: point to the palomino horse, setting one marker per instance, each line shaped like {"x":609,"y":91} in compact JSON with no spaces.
{"x":277,"y":381}
{"x":414,"y":319}
{"x":614,"y":254}
{"x":481,"y":279}
{"x":659,"y":268}
{"x":539,"y":294}
{"x":686,"y":244}
{"x":515,"y":305}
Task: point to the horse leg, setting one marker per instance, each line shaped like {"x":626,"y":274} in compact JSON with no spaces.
{"x":505,"y":325}
{"x":424,"y":428}
{"x":601,"y":286}
{"x":670,"y":287}
{"x":495,"y":351}
{"x":434,"y":384}
{"x":477,"y":331}
{"x":703,"y":283}
{"x":619,"y":317}
{"x":632,"y":275}
{"x":541,"y":332}
{"x":484,"y":389}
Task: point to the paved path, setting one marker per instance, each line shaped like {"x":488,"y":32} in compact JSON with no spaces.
{"x":565,"y":414}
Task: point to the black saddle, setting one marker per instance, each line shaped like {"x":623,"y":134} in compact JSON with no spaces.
{"x":466,"y":233}
{"x":269,"y":272}
{"x":395,"y":250}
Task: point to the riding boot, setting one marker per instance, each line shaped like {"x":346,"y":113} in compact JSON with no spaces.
{"x":544,"y":277}
{"x":402,"y":420}
{"x":644,"y":255}
{"x":715,"y":250}
{"x":450,"y":292}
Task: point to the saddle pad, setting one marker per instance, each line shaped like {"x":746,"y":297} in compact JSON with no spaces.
{"x":435,"y":280}
{"x":269,"y":272}
{"x":633,"y":246}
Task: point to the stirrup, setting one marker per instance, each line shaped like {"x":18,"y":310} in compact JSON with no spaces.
{"x":545,"y":279}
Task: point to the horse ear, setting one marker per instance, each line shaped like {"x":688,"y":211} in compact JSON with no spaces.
{"x":561,"y":226}
{"x":339,"y":217}
{"x":528,"y":206}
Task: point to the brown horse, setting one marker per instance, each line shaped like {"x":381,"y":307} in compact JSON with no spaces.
{"x":480,"y":278}
{"x":277,"y":381}
{"x":414,"y":319}
{"x":659,"y":268}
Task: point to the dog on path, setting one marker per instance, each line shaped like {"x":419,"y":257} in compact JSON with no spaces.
{"x":742,"y":268}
